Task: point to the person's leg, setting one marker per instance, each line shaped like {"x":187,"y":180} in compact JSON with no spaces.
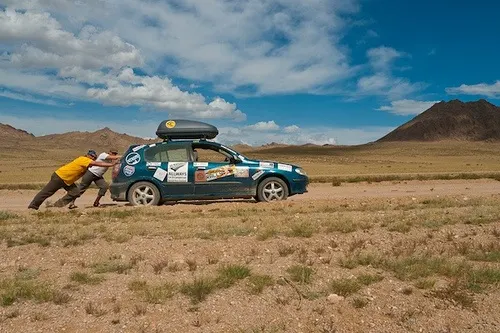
{"x":103,"y":187}
{"x":52,"y":186}
{"x":73,"y":193}
{"x":82,"y":187}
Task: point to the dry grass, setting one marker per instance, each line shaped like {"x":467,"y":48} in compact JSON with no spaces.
{"x":355,"y":249}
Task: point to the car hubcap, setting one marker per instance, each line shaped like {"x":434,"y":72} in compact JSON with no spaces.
{"x":143,"y":195}
{"x":273,"y":191}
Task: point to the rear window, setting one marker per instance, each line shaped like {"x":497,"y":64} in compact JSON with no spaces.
{"x":167,"y":153}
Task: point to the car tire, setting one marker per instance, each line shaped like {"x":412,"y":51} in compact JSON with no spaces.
{"x":272,"y":188}
{"x":144,"y":194}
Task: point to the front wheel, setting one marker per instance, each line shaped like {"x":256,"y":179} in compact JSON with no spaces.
{"x":144,"y":194}
{"x":272,"y":188}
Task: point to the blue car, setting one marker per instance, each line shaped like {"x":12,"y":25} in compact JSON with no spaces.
{"x":187,"y":166}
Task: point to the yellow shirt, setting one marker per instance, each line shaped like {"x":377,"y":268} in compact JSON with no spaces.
{"x":72,"y":171}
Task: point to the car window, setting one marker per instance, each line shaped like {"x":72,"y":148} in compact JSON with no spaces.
{"x":167,"y":153}
{"x":210,"y":154}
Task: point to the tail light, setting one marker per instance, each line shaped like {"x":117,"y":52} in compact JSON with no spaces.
{"x":116,"y":170}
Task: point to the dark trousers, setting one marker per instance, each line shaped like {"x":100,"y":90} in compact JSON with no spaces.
{"x":55,"y":184}
{"x":86,"y":181}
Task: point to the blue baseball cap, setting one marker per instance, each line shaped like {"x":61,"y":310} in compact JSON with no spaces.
{"x":92,"y":153}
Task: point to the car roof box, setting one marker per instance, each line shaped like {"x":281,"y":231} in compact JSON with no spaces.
{"x":185,"y":129}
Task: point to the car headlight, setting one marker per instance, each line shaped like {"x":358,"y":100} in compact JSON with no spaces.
{"x":301,"y":171}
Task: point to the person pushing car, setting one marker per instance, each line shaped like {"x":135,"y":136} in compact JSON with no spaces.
{"x":66,"y":176}
{"x":95,"y":175}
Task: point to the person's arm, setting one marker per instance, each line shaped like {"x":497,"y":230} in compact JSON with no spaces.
{"x":114,"y":157}
{"x":102,"y":164}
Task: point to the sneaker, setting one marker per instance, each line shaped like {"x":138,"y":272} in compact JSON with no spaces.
{"x":96,"y":204}
{"x":72,"y":206}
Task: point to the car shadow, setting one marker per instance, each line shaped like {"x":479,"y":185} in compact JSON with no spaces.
{"x":206,"y":202}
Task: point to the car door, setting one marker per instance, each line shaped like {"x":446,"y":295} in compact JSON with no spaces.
{"x":218,"y":173}
{"x":170,"y":164}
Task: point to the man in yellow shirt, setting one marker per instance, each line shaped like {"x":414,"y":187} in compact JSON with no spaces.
{"x":66,"y":176}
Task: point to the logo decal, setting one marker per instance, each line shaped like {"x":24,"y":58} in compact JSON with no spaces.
{"x":177,"y":172}
{"x":133,"y":158}
{"x":257,"y":174}
{"x":170,"y":124}
{"x":128,"y":170}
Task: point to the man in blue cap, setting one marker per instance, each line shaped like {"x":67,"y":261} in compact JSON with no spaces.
{"x":66,"y":176}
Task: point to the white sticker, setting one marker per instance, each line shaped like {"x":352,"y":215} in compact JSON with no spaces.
{"x":153,"y":164}
{"x":285,"y":167}
{"x":128,"y":170}
{"x":242,"y":172}
{"x":200,"y":164}
{"x":257,"y":175}
{"x":153,"y":145}
{"x":138,"y":147}
{"x":160,"y":174}
{"x":266,"y":165}
{"x":241,"y":157}
{"x":133,"y":158}
{"x":177,"y":172}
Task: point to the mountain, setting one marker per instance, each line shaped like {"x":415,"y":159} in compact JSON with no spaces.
{"x":102,"y":139}
{"x":9,"y":133}
{"x":453,"y":120}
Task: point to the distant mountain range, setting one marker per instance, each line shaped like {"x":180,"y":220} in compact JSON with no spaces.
{"x":454,"y":120}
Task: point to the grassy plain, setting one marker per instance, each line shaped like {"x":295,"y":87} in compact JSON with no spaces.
{"x":403,"y":265}
{"x":372,"y":162}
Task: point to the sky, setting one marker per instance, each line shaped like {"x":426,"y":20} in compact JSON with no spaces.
{"x":292,"y":71}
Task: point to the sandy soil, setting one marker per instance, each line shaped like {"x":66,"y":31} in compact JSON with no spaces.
{"x":19,"y":199}
{"x":217,"y":230}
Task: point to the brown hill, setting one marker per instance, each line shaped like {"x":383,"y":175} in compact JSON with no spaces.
{"x":454,"y":120}
{"x":101,"y":139}
{"x":10,"y":133}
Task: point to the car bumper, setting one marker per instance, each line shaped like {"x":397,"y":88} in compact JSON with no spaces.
{"x":299,"y":185}
{"x":118,"y":191}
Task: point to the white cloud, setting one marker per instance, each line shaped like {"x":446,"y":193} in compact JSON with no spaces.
{"x":295,"y":46}
{"x":263,"y":126}
{"x":382,"y":81}
{"x":29,"y":98}
{"x":381,"y":58}
{"x":228,"y":135}
{"x":291,"y":129}
{"x":93,"y":64}
{"x":407,"y":107}
{"x":386,"y":85}
{"x":484,"y":89}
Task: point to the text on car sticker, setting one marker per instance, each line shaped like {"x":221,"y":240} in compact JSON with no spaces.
{"x":160,"y":174}
{"x":220,"y":172}
{"x":153,"y":164}
{"x":128,"y":170}
{"x":177,"y":172}
{"x":138,"y":147}
{"x":200,"y":164}
{"x":133,"y":158}
{"x":284,"y":167}
{"x":266,"y":165}
{"x":257,"y":174}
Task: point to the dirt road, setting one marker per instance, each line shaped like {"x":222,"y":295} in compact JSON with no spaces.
{"x":19,"y":199}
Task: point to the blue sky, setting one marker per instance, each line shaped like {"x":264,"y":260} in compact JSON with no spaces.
{"x":321,"y":71}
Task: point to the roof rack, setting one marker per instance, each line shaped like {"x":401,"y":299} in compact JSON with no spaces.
{"x":175,"y":129}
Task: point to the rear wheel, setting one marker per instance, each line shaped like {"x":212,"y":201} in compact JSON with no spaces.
{"x":272,"y":188}
{"x":144,"y":194}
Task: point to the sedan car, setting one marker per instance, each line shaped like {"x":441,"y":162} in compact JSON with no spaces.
{"x":186,"y":165}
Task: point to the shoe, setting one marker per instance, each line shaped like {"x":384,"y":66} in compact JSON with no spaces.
{"x":72,"y":206}
{"x":96,"y":204}
{"x":34,"y":208}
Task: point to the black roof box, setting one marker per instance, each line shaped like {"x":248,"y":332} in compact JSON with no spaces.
{"x":185,"y":129}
